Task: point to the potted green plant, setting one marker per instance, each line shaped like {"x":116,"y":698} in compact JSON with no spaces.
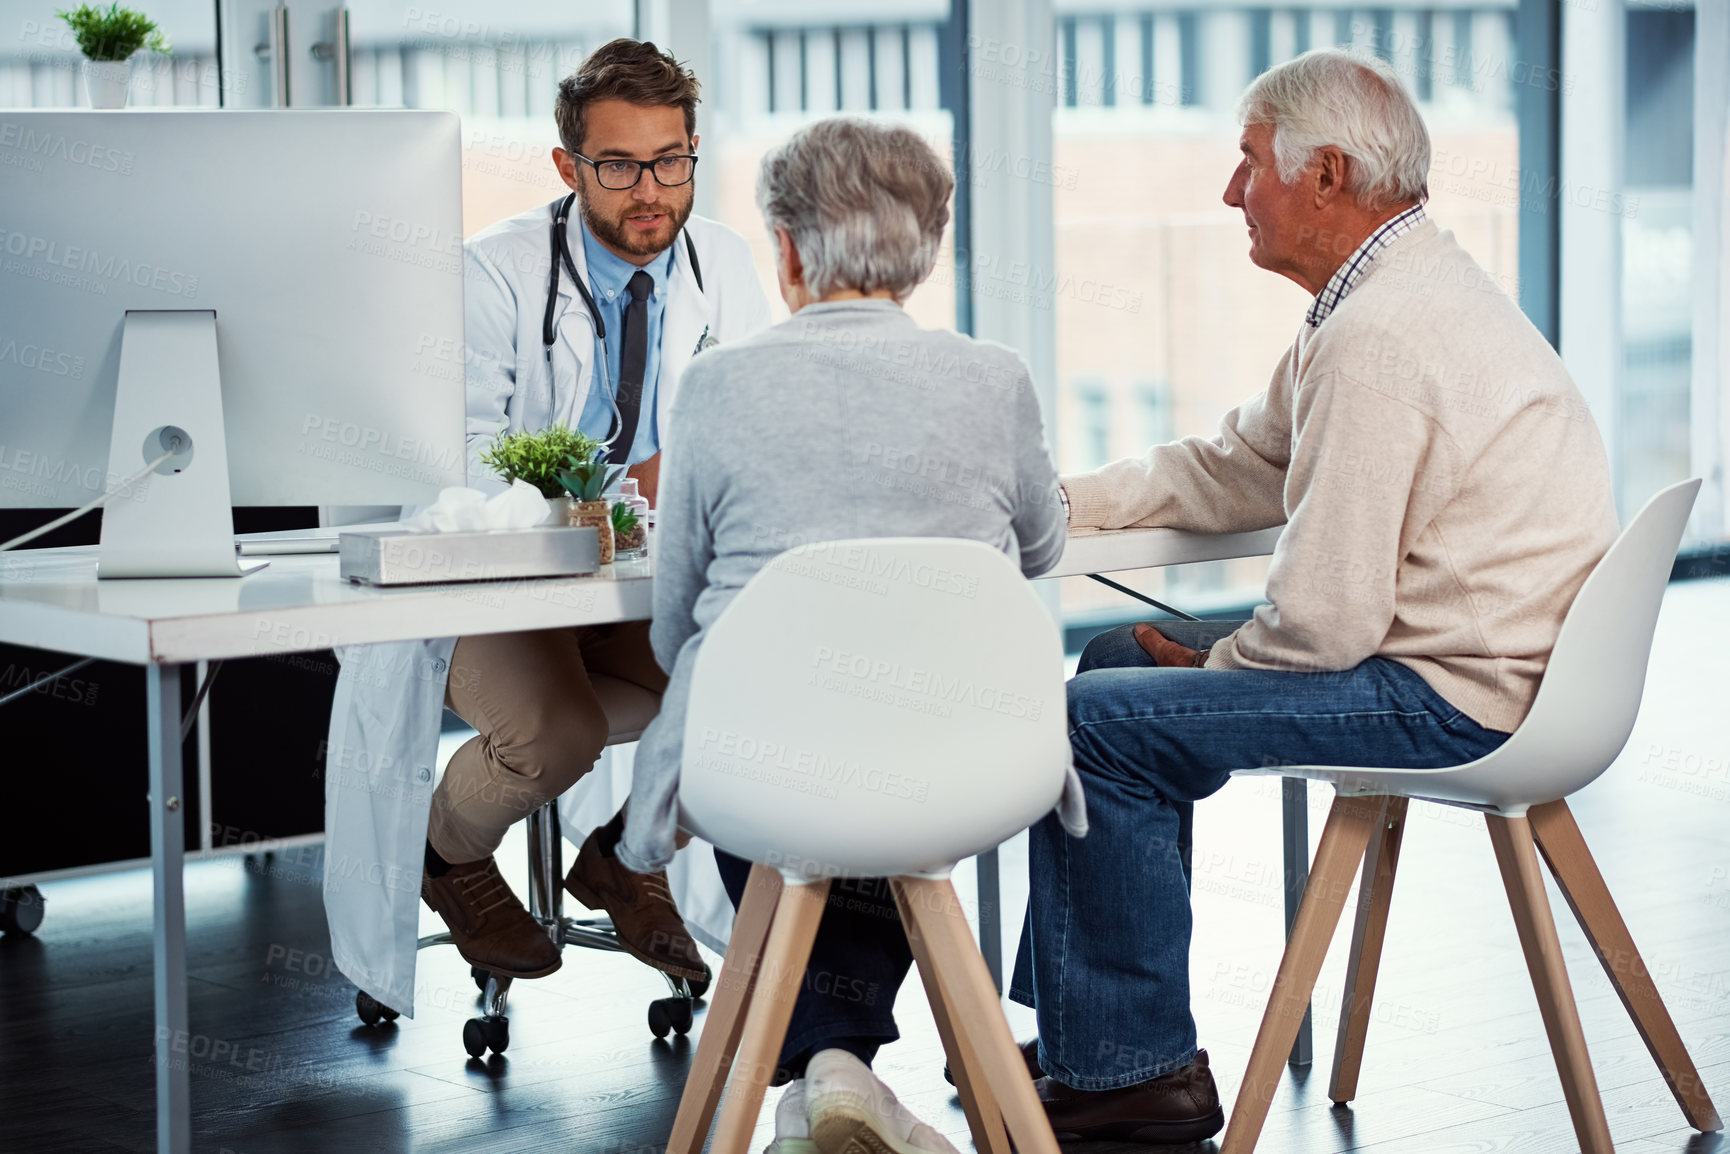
{"x":108,"y":37}
{"x":586,"y":479}
{"x":630,"y":535}
{"x":538,"y":459}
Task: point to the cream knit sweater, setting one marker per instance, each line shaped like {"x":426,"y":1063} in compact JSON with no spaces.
{"x":1444,"y":489}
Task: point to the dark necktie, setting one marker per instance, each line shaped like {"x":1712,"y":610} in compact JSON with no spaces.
{"x":631,"y":364}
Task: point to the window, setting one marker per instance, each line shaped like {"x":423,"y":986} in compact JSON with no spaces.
{"x":1093,"y":427}
{"x":1644,"y":251}
{"x":777,"y":68}
{"x":498,"y":64}
{"x":1652,"y":439}
{"x":1154,"y":400}
{"x":1177,"y":326}
{"x":41,"y":67}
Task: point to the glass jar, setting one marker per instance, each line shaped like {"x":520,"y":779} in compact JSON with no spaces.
{"x":631,"y":509}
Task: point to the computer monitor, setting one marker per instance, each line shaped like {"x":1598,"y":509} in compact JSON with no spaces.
{"x":323,"y":249}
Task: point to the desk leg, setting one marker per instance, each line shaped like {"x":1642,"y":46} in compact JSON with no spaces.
{"x":1295,"y":822}
{"x":168,"y":929}
{"x":990,"y":887}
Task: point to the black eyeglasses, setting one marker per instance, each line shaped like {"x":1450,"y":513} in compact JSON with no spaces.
{"x":618,"y":175}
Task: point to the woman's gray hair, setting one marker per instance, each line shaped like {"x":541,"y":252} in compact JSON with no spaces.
{"x":865,"y":203}
{"x":1358,"y":105}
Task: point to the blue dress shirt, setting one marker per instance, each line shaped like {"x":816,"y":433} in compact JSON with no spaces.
{"x":608,"y":275}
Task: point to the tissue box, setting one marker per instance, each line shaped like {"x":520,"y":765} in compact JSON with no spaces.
{"x":401,"y":557}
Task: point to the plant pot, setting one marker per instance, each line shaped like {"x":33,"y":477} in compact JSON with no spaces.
{"x":598,"y":514}
{"x":106,"y":82}
{"x":632,"y":545}
{"x":561,"y":507}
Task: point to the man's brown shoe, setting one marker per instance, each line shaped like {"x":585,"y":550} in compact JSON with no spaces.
{"x":489,"y":925}
{"x":641,"y":906}
{"x":1182,"y":1106}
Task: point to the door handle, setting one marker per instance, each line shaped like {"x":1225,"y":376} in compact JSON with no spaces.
{"x":275,"y":50}
{"x":336,"y":51}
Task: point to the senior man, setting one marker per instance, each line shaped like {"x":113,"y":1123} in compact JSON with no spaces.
{"x":1445,"y":494}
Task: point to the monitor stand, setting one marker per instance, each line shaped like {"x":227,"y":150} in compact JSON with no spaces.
{"x":177,"y":522}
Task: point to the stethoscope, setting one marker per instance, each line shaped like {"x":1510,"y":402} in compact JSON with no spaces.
{"x":561,"y":255}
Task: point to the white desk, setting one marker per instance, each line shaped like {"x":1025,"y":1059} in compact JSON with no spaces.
{"x":1113,"y":550}
{"x":50,"y":599}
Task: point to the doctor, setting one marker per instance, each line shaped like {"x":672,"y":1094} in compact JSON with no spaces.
{"x":584,"y":312}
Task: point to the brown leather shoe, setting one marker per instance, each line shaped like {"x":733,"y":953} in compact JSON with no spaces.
{"x":1182,"y":1106}
{"x":1029,"y":1053}
{"x":641,"y":906}
{"x":489,"y":925}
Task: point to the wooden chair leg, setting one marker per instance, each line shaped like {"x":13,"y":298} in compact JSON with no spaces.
{"x":1350,"y":823}
{"x":984,"y":1116}
{"x":1517,"y":856}
{"x":930,"y":905}
{"x":1375,"y":894}
{"x":1559,"y":840}
{"x":725,"y":1019}
{"x":779,"y":977}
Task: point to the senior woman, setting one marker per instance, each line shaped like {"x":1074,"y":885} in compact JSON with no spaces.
{"x":802,"y":434}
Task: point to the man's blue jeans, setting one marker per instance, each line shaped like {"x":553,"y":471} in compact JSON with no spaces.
{"x":1104,"y":955}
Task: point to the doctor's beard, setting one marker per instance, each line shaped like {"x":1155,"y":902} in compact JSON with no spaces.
{"x":613,"y":232}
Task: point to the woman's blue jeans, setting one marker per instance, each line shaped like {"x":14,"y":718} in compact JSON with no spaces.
{"x":1104,"y":955}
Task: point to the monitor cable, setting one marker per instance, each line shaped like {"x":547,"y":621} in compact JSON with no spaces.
{"x":215,"y":666}
{"x":98,"y":503}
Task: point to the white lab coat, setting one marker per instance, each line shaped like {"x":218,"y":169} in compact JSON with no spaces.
{"x":384,"y":726}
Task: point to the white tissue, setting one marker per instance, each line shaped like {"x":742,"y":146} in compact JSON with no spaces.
{"x":461,"y":510}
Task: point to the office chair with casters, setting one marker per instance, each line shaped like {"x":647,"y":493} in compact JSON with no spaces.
{"x":21,"y":910}
{"x":864,"y":709}
{"x":1578,"y":725}
{"x":629,"y":709}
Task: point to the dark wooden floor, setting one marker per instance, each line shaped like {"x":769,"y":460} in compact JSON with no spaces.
{"x":1456,"y":1060}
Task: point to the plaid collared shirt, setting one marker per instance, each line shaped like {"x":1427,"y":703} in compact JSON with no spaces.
{"x":1344,"y":280}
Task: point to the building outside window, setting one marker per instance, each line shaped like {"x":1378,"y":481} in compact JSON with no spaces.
{"x":1145,"y":139}
{"x":1093,"y":430}
{"x":776,"y":66}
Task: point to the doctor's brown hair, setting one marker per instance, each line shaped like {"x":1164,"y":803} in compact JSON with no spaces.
{"x":634,"y":71}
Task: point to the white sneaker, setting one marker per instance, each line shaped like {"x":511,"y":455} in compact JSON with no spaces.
{"x":851,"y":1111}
{"x":792,"y":1131}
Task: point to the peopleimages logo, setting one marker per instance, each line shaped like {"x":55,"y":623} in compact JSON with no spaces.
{"x":43,"y":360}
{"x":910,"y":679}
{"x":77,"y":259}
{"x":55,"y":146}
{"x":802,"y":770}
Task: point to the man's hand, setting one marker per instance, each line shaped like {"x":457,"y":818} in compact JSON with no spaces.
{"x":1166,"y":652}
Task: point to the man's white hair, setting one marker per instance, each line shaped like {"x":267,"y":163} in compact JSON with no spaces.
{"x":1358,"y":105}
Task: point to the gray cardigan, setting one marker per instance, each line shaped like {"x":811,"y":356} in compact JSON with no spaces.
{"x":847,"y":420}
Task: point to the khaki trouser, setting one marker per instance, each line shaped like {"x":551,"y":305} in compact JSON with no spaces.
{"x":540,"y":725}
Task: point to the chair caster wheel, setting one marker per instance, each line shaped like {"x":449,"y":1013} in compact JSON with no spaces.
{"x":480,"y":977}
{"x":701,"y":985}
{"x":371,"y":1010}
{"x":21,"y":910}
{"x":669,"y":1016}
{"x":483,"y":1034}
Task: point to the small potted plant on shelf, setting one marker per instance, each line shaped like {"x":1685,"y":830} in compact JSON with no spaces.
{"x":538,"y":459}
{"x":586,"y":479}
{"x":108,"y":37}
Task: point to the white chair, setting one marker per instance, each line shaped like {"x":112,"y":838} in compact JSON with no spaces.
{"x":1578,"y":724}
{"x":870,"y":708}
